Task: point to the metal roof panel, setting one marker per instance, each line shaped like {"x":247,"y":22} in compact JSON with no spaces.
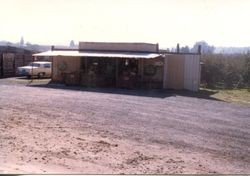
{"x":99,"y":54}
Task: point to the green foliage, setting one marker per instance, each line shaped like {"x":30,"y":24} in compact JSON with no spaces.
{"x":225,"y":71}
{"x":246,"y":75}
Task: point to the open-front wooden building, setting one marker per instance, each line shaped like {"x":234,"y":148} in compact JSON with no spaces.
{"x":124,"y":65}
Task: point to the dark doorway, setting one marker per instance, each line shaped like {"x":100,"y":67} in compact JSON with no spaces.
{"x":128,"y":73}
{"x":109,"y":72}
{"x":98,"y":72}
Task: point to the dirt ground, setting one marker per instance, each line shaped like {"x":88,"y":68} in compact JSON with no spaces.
{"x":57,"y":129}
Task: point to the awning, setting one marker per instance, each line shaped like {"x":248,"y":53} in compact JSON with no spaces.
{"x":99,"y":54}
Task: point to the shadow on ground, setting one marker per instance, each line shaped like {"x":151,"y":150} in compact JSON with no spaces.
{"x":155,"y":93}
{"x":30,"y":79}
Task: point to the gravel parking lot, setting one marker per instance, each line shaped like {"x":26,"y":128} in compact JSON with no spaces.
{"x":58,"y":129}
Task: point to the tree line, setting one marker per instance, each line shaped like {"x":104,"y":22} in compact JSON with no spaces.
{"x":220,"y":70}
{"x":225,"y":70}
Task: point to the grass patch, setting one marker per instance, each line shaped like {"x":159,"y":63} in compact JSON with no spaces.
{"x":238,"y":96}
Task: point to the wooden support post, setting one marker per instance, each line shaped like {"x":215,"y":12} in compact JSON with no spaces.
{"x":32,"y":69}
{"x":165,"y":76}
{"x":52,"y":68}
{"x":116,"y":72}
{"x":142,"y":72}
{"x":1,"y":64}
{"x":86,"y":72}
{"x":157,"y":48}
{"x":199,"y":49}
{"x":14,"y":66}
{"x":23,"y":57}
{"x":178,"y":48}
{"x":86,"y":65}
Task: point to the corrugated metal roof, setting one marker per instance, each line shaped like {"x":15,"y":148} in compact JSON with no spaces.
{"x":99,"y":54}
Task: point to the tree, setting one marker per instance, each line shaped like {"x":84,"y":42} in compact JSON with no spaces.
{"x":21,"y":41}
{"x":173,"y":49}
{"x":72,"y":44}
{"x":185,"y":49}
{"x":246,"y":75}
{"x":28,"y":43}
{"x":205,"y":48}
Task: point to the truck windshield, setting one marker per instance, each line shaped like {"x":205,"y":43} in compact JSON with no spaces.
{"x":34,"y":64}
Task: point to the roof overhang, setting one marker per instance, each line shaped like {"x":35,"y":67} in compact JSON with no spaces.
{"x":139,"y":55}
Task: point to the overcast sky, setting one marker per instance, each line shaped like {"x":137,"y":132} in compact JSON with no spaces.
{"x":167,"y":22}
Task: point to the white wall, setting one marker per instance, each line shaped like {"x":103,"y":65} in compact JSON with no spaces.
{"x":182,"y":72}
{"x":192,"y":72}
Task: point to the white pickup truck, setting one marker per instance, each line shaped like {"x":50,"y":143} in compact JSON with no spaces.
{"x":39,"y":68}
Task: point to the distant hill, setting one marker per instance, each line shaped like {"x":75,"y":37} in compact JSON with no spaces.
{"x":41,"y":48}
{"x":4,"y":43}
{"x":217,"y":50}
{"x":27,"y":46}
{"x":32,"y":47}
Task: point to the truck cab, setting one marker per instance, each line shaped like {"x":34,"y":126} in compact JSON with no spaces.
{"x":38,"y":69}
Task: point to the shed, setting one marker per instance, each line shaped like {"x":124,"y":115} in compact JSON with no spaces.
{"x":124,"y":65}
{"x":11,"y":58}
